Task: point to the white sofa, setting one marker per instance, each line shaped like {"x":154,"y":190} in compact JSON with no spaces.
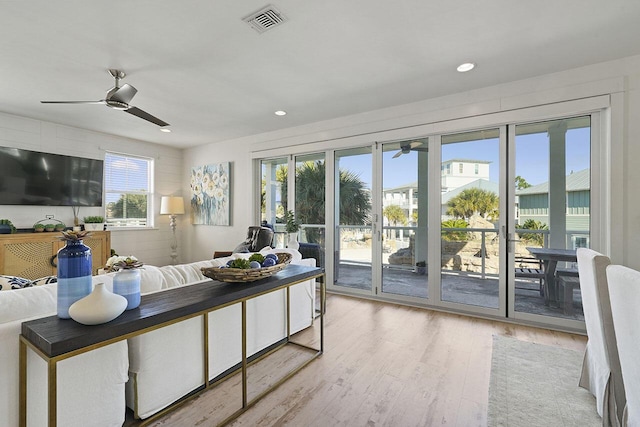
{"x":102,"y":373}
{"x":152,"y":370}
{"x":167,"y":363}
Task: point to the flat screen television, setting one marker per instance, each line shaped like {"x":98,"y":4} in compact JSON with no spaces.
{"x":34,"y":178}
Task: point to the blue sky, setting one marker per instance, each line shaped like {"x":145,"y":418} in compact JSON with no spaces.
{"x":532,"y":158}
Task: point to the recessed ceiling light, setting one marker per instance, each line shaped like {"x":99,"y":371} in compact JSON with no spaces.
{"x":280,"y":113}
{"x":165,"y":130}
{"x":467,"y":66}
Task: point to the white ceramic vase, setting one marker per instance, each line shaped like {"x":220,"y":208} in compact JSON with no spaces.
{"x":100,"y":306}
{"x":293,"y":241}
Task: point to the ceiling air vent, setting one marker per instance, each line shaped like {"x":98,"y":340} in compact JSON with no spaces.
{"x":265,"y":19}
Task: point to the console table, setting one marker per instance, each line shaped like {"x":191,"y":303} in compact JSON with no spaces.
{"x":55,"y":339}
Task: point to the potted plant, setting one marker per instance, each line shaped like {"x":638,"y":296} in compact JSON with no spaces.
{"x":60,"y":226}
{"x":49,"y":227}
{"x":38,"y":228}
{"x":6,"y":227}
{"x":94,"y":223}
{"x":292,"y":226}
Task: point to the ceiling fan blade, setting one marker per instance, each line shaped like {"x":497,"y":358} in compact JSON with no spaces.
{"x":124,"y":93}
{"x":415,"y":144}
{"x":73,"y":102}
{"x":146,"y":116}
{"x":398,"y":154}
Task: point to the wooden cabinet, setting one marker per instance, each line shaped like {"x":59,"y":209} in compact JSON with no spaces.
{"x":33,"y":255}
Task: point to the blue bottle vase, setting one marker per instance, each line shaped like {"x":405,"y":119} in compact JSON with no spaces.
{"x":74,"y":275}
{"x":127,"y":283}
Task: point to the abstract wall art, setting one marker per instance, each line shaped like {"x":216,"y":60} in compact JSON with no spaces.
{"x":210,"y":195}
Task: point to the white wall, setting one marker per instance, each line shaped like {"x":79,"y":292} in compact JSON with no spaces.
{"x":200,"y":241}
{"x":150,"y":246}
{"x":619,"y":79}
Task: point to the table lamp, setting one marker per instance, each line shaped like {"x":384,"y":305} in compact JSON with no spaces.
{"x":172,"y":205}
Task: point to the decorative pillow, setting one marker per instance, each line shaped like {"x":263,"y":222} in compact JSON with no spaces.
{"x":45,"y":280}
{"x":14,"y":282}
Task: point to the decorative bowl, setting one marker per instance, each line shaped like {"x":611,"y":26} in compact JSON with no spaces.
{"x":240,"y":275}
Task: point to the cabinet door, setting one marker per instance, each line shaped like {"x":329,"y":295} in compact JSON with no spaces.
{"x":31,"y":259}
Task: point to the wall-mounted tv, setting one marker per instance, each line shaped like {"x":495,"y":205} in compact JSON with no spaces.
{"x":34,"y":178}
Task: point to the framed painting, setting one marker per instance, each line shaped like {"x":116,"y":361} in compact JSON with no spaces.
{"x":210,"y":195}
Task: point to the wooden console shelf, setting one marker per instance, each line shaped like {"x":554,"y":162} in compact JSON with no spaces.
{"x":55,"y":339}
{"x":33,"y":255}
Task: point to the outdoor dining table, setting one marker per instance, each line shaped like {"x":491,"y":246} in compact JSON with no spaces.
{"x":550,"y":258}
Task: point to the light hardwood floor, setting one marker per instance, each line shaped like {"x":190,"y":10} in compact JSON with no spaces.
{"x":384,"y":365}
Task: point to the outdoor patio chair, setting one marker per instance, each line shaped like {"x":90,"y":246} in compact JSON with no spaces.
{"x":530,"y":268}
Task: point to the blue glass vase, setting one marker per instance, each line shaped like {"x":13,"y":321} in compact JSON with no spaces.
{"x":74,"y":275}
{"x":127,"y":283}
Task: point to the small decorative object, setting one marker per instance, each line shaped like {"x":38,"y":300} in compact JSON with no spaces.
{"x":239,"y":269}
{"x":94,"y":223}
{"x":421,"y":268}
{"x":60,"y":226}
{"x":49,"y":227}
{"x":76,"y":211}
{"x":74,"y":271}
{"x":292,"y":228}
{"x":100,"y":306}
{"x":38,"y":227}
{"x":126,"y":281}
{"x":6,"y":227}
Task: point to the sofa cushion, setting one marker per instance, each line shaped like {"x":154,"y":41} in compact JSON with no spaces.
{"x":13,"y":282}
{"x":35,"y":301}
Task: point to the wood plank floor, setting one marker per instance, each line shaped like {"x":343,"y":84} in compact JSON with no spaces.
{"x":384,"y":365}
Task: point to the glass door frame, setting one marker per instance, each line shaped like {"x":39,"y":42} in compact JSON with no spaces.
{"x":435,"y":223}
{"x":595,"y":231}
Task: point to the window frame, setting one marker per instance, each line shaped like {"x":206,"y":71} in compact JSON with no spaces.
{"x":117,"y":224}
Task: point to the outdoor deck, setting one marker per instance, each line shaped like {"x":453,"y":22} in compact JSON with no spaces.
{"x":460,"y":287}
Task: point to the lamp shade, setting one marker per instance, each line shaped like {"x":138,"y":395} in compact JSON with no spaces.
{"x":171,"y":205}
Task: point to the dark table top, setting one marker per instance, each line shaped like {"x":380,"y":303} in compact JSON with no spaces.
{"x":55,"y":336}
{"x":552,"y":254}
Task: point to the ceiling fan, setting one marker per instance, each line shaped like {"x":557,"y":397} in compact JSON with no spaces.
{"x":406,"y":148}
{"x":118,"y":98}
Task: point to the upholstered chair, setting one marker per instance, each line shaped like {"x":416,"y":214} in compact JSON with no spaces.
{"x":601,"y":373}
{"x":624,"y":289}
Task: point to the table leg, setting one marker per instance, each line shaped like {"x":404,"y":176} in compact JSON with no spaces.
{"x":550,"y":291}
{"x":23,"y":383}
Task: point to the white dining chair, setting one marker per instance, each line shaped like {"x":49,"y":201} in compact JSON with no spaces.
{"x":601,"y":373}
{"x":624,"y":290}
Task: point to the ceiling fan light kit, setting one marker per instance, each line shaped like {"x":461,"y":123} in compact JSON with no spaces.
{"x":118,"y":98}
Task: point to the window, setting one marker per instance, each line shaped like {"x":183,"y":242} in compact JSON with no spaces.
{"x":128,"y":190}
{"x":477,"y":167}
{"x":460,"y":168}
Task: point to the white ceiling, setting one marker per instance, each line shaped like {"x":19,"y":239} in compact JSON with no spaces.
{"x":199,"y":67}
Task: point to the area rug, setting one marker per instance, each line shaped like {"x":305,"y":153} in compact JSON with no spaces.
{"x":537,"y":385}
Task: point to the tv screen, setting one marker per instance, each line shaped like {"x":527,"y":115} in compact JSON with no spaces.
{"x":34,"y":178}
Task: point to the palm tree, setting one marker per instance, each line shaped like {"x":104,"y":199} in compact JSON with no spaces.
{"x":355,"y":204}
{"x":474,"y":201}
{"x":395,"y":215}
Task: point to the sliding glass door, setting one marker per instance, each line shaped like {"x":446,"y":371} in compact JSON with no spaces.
{"x":551,"y":208}
{"x":470,"y":212}
{"x":454,"y":220}
{"x":354,"y":233}
{"x":404,"y":215}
